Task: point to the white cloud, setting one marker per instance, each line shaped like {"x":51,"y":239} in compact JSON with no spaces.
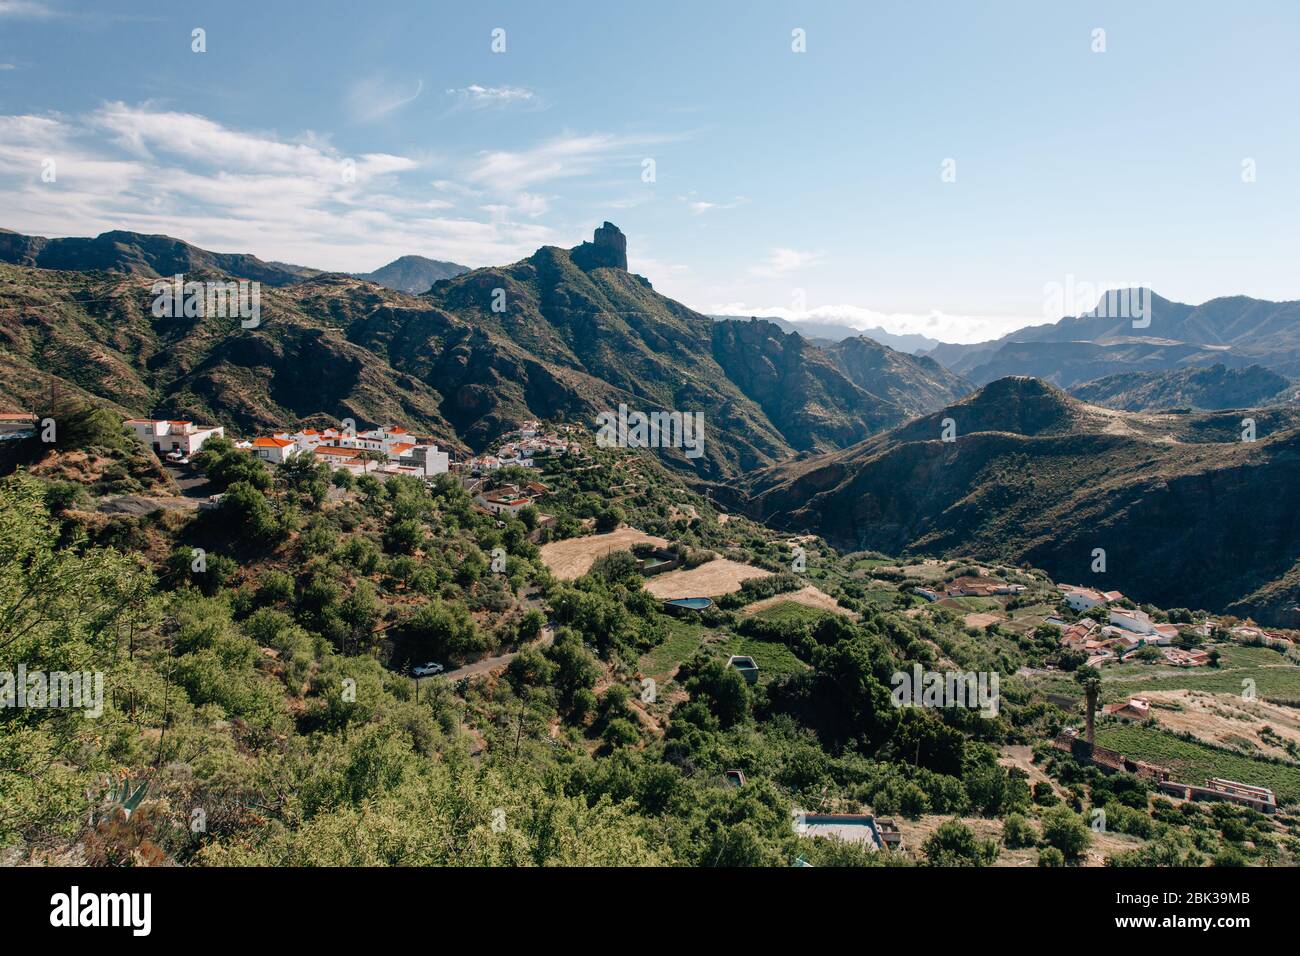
{"x":782,"y":261}
{"x":944,"y":326}
{"x":477,"y":96}
{"x":26,"y":9}
{"x":563,"y":157}
{"x":374,"y":97}
{"x":231,"y":190}
{"x":8,"y":66}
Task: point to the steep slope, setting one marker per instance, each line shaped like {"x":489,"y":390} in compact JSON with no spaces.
{"x":1035,"y":476}
{"x":578,"y":335}
{"x":1212,"y":388}
{"x":412,"y":274}
{"x":93,"y":335}
{"x":764,"y":394}
{"x":137,"y":254}
{"x":915,"y":383}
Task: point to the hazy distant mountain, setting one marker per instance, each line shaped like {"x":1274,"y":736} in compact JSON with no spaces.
{"x":1189,"y":515}
{"x":823,"y":332}
{"x":1235,"y":331}
{"x":136,"y":254}
{"x":1213,"y":388}
{"x":412,"y":274}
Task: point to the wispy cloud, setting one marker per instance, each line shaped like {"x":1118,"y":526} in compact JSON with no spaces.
{"x":374,"y":97}
{"x":476,"y":96}
{"x":701,"y":206}
{"x":781,"y":262}
{"x":562,"y":157}
{"x":26,"y":9}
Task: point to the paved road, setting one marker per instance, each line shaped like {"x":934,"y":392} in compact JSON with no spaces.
{"x":192,"y":483}
{"x":500,"y":662}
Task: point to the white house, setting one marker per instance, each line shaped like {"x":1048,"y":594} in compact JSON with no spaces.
{"x":1084,"y":599}
{"x":427,"y":460}
{"x":275,"y":449}
{"x":1137,"y":621}
{"x":507,"y":500}
{"x":168,"y":436}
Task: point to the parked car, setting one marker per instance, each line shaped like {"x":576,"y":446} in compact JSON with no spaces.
{"x":427,"y":670}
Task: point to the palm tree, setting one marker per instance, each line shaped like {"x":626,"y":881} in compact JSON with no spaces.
{"x":367,"y":456}
{"x":1090,"y":680}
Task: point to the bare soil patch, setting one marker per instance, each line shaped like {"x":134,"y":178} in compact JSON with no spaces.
{"x":809,"y":596}
{"x":1226,"y":720}
{"x":719,"y":576}
{"x":574,"y":557}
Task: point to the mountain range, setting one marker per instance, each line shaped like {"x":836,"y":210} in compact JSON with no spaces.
{"x":1234,"y":331}
{"x":134,"y":253}
{"x":564,"y":333}
{"x":1210,"y":388}
{"x":826,"y":333}
{"x":841,"y":438}
{"x":1187,"y":513}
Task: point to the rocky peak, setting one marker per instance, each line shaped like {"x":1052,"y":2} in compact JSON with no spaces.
{"x":609,"y":249}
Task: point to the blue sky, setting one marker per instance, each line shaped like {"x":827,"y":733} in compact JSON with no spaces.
{"x":800,"y":184}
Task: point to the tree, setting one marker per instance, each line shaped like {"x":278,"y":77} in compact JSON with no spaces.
{"x":1065,"y":830}
{"x":1050,"y":856}
{"x":954,"y":844}
{"x":246,"y":511}
{"x":368,"y":455}
{"x":442,"y":630}
{"x":608,"y":519}
{"x":1017,"y":832}
{"x":1090,"y":680}
{"x":723,"y":690}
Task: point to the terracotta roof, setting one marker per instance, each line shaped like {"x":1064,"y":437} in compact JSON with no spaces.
{"x":271,"y":442}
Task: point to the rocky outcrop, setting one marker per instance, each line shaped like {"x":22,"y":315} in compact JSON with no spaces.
{"x":609,"y":250}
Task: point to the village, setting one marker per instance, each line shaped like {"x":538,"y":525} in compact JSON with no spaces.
{"x":1108,"y":630}
{"x":382,"y":450}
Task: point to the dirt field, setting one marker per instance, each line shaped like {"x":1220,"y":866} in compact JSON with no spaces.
{"x":808,"y":597}
{"x":982,"y":620}
{"x":1225,"y":720}
{"x":719,"y":576}
{"x":573,"y":558}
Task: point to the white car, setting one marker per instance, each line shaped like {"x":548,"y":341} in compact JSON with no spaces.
{"x":427,"y":670}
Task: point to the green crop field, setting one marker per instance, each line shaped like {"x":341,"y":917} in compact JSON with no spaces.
{"x":773,"y":660}
{"x":684,"y":638}
{"x":792,"y":612}
{"x":1193,"y":762}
